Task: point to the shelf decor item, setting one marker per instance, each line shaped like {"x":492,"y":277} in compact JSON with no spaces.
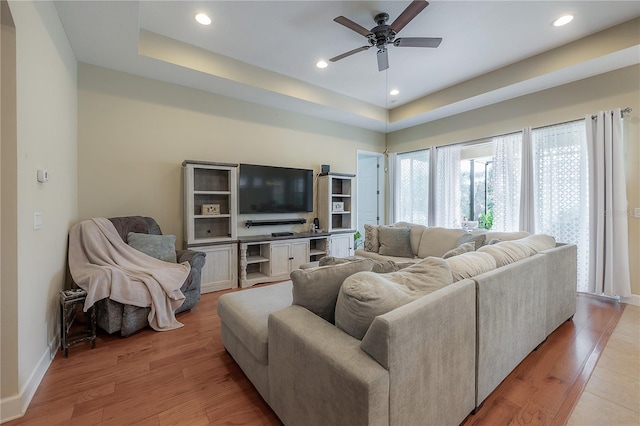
{"x":210,"y":209}
{"x":338,"y":206}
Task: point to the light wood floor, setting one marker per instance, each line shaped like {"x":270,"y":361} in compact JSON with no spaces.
{"x":186,"y":377}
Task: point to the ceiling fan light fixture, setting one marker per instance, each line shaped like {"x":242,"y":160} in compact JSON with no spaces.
{"x":321,"y":64}
{"x":563,"y":20}
{"x":203,"y":19}
{"x":394,"y":92}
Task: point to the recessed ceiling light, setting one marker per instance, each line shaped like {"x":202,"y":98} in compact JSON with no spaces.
{"x":203,"y":18}
{"x":321,"y":64}
{"x":394,"y":92}
{"x":563,"y":20}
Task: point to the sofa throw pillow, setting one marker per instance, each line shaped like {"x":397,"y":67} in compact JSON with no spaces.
{"x":394,"y":241}
{"x":468,"y":265}
{"x":415,"y":234}
{"x":478,"y":240}
{"x":371,"y":242}
{"x":464,"y":248}
{"x":317,"y":288}
{"x":161,"y":247}
{"x":365,"y":295}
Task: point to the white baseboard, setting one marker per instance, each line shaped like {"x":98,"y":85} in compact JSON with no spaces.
{"x":633,"y":300}
{"x":15,"y":406}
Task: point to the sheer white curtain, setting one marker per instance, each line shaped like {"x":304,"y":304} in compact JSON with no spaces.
{"x":412,"y":187}
{"x":507,"y":153}
{"x":394,"y":187}
{"x":609,"y":261}
{"x":527,"y":218}
{"x":447,"y":184}
{"x":561,"y":188}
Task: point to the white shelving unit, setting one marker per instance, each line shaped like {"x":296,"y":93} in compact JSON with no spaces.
{"x":336,"y":202}
{"x":267,"y":259}
{"x":210,"y":220}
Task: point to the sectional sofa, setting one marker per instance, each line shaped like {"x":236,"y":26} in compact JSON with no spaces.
{"x":422,"y":341}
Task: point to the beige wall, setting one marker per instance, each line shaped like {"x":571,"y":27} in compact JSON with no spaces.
{"x":568,"y":102}
{"x":134,"y":133}
{"x":46,"y":138}
{"x":9,"y":209}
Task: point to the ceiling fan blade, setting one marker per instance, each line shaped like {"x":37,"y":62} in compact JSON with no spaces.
{"x":349,"y":53}
{"x":383,"y":59}
{"x":417,"y":42}
{"x":353,"y":26}
{"x":409,"y":13}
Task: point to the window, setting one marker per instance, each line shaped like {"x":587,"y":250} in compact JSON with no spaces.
{"x":476,"y":187}
{"x":412,"y":187}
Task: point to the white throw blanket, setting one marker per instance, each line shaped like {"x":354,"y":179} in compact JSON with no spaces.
{"x":105,"y":266}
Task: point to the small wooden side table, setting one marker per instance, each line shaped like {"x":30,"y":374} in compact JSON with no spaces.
{"x":69,"y":301}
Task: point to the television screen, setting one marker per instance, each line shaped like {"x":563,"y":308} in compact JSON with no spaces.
{"x":266,"y":189}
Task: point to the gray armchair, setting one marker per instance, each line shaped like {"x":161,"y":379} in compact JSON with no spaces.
{"x":113,"y":316}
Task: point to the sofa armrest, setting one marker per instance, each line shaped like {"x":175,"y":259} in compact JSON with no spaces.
{"x":319,"y":375}
{"x":429,"y":348}
{"x":562,"y":284}
{"x":195,"y":258}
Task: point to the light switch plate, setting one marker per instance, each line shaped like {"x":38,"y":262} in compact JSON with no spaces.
{"x":37,"y":220}
{"x":636,"y":212}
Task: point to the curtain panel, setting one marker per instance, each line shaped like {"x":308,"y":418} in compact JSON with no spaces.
{"x":447,"y":194}
{"x":507,"y":154}
{"x":609,"y":250}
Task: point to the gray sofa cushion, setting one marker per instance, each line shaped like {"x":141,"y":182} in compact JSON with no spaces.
{"x":317,"y":288}
{"x":161,"y":247}
{"x":538,"y":242}
{"x":507,"y":252}
{"x":246,"y":314}
{"x":379,"y":266}
{"x":365,"y":295}
{"x":468,"y":265}
{"x":394,"y":241}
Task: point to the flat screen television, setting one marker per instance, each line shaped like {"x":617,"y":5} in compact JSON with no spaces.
{"x":268,"y":189}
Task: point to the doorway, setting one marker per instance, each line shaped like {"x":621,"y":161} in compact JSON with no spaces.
{"x":370,"y":189}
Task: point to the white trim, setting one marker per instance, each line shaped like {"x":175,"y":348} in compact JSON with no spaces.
{"x":15,"y":406}
{"x":633,"y":300}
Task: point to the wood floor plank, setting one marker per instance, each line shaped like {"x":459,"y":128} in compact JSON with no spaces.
{"x":185,"y":377}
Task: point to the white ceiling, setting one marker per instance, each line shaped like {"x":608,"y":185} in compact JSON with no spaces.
{"x":279,"y":42}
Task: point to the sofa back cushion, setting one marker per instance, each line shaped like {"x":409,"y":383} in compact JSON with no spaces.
{"x":468,"y":265}
{"x":503,"y":236}
{"x":379,"y":266}
{"x":317,"y":288}
{"x":437,"y":241}
{"x":394,"y":241}
{"x":538,"y":242}
{"x":365,"y":295}
{"x":507,"y":252}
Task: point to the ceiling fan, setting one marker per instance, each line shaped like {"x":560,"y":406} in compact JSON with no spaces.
{"x":382,"y":35}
